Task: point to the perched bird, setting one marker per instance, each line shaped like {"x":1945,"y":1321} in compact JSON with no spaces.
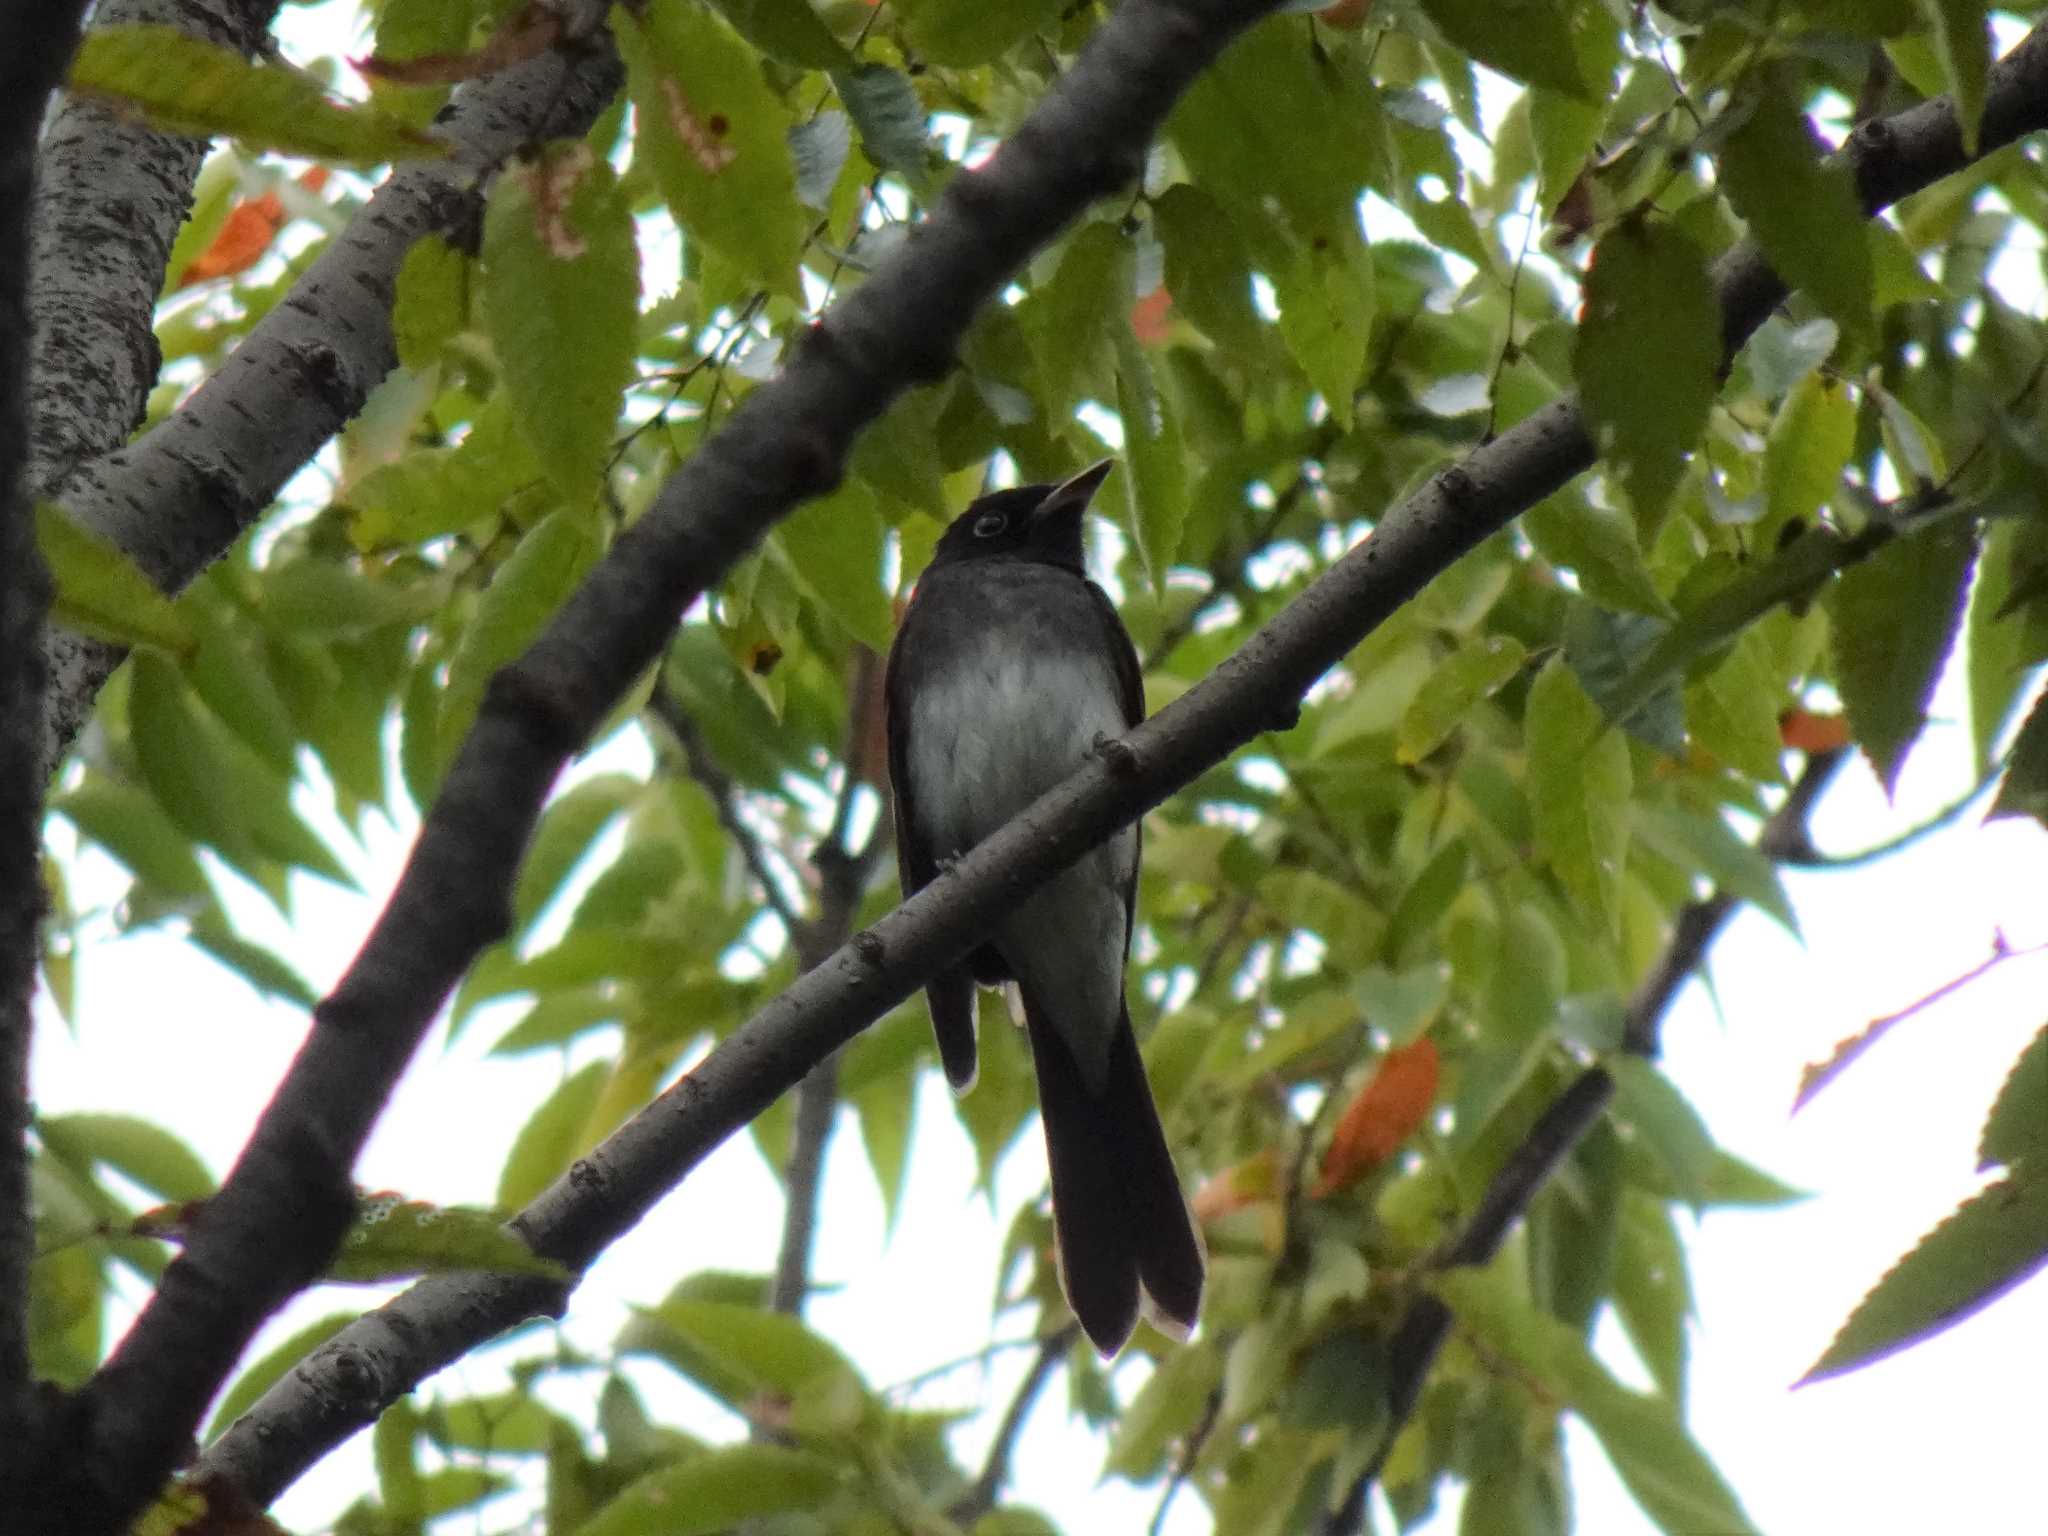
{"x":1008,"y":670}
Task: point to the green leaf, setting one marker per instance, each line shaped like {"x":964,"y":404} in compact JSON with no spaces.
{"x":568,"y":827}
{"x":835,"y":548}
{"x":716,"y":1490}
{"x":203,"y":89}
{"x":1732,"y":711}
{"x":137,"y":1149}
{"x":1646,"y":1099}
{"x":735,"y":1351}
{"x":132,"y":827}
{"x":1647,"y":355}
{"x":263,"y":969}
{"x":392,"y":1238}
{"x":1703,"y":842}
{"x":1605,"y":652}
{"x":1996,"y":646}
{"x":1528,"y":40}
{"x":561,"y":289}
{"x":1893,"y":619}
{"x":1167,"y":1408}
{"x":1993,"y":1241}
{"x":1599,"y":546}
{"x":553,"y":1138}
{"x":1579,"y":784}
{"x":884,"y":106}
{"x":1208,"y":270}
{"x":1805,"y":214}
{"x":1652,"y":1290}
{"x":1076,"y":318}
{"x":432,"y":305}
{"x":2017,"y":1126}
{"x":887,"y":1107}
{"x":2024,"y":791}
{"x":716,"y":137}
{"x":100,"y":591}
{"x":1477,"y":670}
{"x":1962,"y":38}
{"x":970,"y":32}
{"x":272,"y":1367}
{"x":1326,"y":308}
{"x":534,"y":581}
{"x":1659,"y":1463}
{"x":1809,"y":445}
{"x":1155,"y":462}
{"x":786,"y":29}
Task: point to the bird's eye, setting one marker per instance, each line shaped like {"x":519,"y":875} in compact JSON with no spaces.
{"x":989,"y":524}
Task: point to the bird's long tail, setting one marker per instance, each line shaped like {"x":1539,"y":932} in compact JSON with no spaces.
{"x":1122,"y":1223}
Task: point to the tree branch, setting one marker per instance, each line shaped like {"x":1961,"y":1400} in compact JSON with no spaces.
{"x":179,"y":496}
{"x":40,"y":40}
{"x":1420,"y":1334}
{"x":111,"y":192}
{"x":981,"y":1496}
{"x":272,"y":1225}
{"x":900,"y":321}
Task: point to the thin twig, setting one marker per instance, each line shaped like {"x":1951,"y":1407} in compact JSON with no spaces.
{"x":981,"y":1496}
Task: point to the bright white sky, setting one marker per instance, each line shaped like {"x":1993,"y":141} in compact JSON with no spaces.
{"x":1945,"y":1436}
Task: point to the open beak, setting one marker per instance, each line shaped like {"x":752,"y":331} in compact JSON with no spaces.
{"x":1070,"y":497}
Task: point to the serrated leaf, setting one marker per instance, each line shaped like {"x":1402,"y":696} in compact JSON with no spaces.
{"x":1996,"y":646}
{"x":1527,"y":40}
{"x":1808,"y":447}
{"x":1208,"y":270}
{"x":1155,"y":463}
{"x":787,"y":29}
{"x":1805,"y":214}
{"x":553,"y":1138}
{"x":716,"y":137}
{"x":271,"y":1367}
{"x":1703,"y":842}
{"x":1732,"y":712}
{"x":818,"y":147}
{"x":1647,"y":355}
{"x":1605,"y":652}
{"x":532,"y":583}
{"x":269,"y":973}
{"x":2017,"y":1126}
{"x":1993,"y":1242}
{"x":101,"y":592}
{"x":734,"y":1350}
{"x":716,"y":1490}
{"x":1579,"y":784}
{"x":391,"y":1238}
{"x":132,"y":826}
{"x":561,"y":289}
{"x":2024,"y":790}
{"x":1652,"y":1289}
{"x":884,"y":106}
{"x":203,"y":89}
{"x":1893,"y":619}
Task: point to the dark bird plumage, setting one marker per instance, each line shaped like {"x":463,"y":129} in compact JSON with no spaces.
{"x":1010,"y":665}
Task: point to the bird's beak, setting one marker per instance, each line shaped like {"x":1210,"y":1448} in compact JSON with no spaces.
{"x":1070,"y":497}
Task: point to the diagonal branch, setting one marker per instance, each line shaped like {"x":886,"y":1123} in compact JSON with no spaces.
{"x":179,"y":496}
{"x":1421,"y":1332}
{"x":343,"y":1385}
{"x":40,"y":40}
{"x":987,"y":1486}
{"x":270,"y":1228}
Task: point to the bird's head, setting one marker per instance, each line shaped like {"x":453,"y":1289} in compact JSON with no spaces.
{"x":1030,"y":522}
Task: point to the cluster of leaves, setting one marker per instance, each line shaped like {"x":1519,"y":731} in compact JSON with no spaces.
{"x":1376,"y":948}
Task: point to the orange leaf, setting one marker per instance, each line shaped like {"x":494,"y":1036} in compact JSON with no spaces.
{"x":1804,"y":731}
{"x":1387,"y":1109}
{"x":1345,"y":15}
{"x":530,"y":33}
{"x":246,"y":233}
{"x":1150,"y":321}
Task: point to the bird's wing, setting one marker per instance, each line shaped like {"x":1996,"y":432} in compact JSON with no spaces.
{"x":950,"y":992}
{"x":1130,"y":686}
